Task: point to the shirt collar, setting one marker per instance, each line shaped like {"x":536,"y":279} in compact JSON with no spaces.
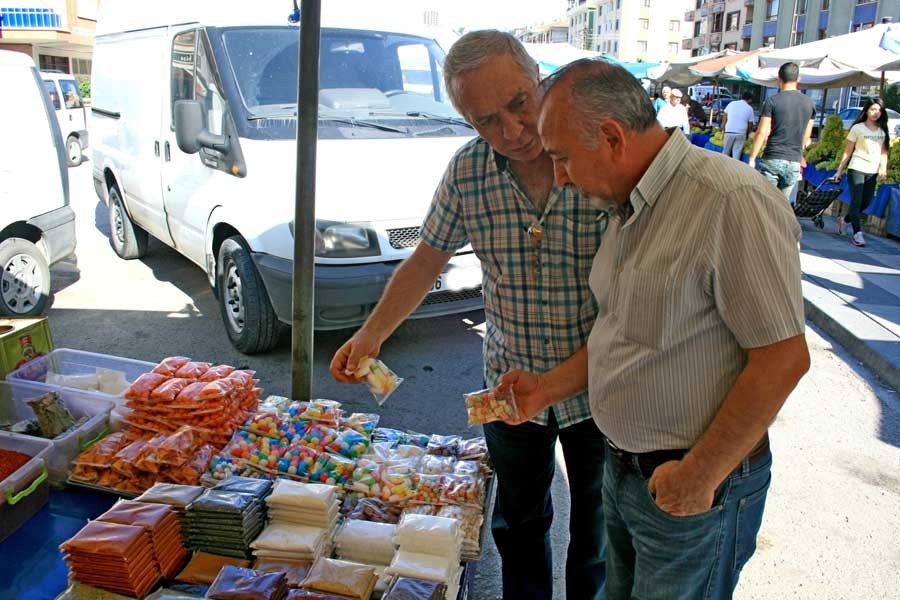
{"x":657,"y":176}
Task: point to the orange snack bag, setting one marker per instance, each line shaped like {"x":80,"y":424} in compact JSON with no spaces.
{"x":193,"y":370}
{"x":217,"y":372}
{"x":168,"y":366}
{"x":144,"y":385}
{"x":168,"y":390}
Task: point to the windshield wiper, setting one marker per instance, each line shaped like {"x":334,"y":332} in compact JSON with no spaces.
{"x":441,"y":118}
{"x":352,"y":121}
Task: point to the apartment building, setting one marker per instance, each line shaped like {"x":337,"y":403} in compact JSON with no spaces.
{"x":641,"y":30}
{"x":581,"y":16}
{"x":545,"y":33}
{"x":57,"y":34}
{"x":750,"y":24}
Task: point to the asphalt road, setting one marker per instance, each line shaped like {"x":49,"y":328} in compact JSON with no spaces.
{"x":833,"y":512}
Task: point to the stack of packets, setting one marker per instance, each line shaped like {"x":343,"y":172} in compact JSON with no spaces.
{"x":224,"y":522}
{"x":113,"y":557}
{"x":344,"y":579}
{"x":204,"y":568}
{"x":175,"y":495}
{"x":365,"y":542}
{"x":160,"y":522}
{"x":429,"y":547}
{"x":235,"y":582}
{"x":408,"y":588}
{"x":295,"y":570}
{"x":178,"y":391}
{"x":488,"y":405}
{"x":303,"y":517}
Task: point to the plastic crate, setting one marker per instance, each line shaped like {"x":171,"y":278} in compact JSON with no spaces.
{"x":64,"y":361}
{"x":26,"y":491}
{"x":68,"y":445}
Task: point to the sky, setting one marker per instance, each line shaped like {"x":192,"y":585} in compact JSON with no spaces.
{"x":497,"y":14}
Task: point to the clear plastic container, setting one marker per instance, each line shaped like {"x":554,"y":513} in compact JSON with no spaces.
{"x":26,"y":491}
{"x":66,"y":446}
{"x":66,"y":362}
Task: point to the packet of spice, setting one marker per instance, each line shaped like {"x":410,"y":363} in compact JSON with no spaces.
{"x":52,"y":416}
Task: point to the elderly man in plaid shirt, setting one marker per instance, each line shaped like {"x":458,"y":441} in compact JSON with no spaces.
{"x":536,"y":241}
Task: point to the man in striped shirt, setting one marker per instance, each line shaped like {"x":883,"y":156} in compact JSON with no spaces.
{"x":698,"y":341}
{"x":536,"y":241}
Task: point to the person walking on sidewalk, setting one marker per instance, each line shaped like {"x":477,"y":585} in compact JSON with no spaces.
{"x":536,"y":241}
{"x":785,"y":126}
{"x":867,"y":148}
{"x":686,"y":384}
{"x":736,"y":123}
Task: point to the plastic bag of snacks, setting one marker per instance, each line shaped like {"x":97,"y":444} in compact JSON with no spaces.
{"x":381,"y":380}
{"x":350,"y":443}
{"x":397,"y":484}
{"x":318,"y":436}
{"x":486,"y":406}
{"x":144,"y":385}
{"x":367,"y":477}
{"x":169,"y":366}
{"x":428,"y":489}
{"x":217,"y":372}
{"x":264,"y":423}
{"x":473,"y":449}
{"x":444,"y":445}
{"x":465,"y":490}
{"x":370,"y":509}
{"x":327,"y":412}
{"x":223,"y":467}
{"x":332,"y":469}
{"x":432,"y":464}
{"x":411,"y":438}
{"x":297,"y":461}
{"x":168,"y":390}
{"x":192,"y":370}
{"x":362,"y":422}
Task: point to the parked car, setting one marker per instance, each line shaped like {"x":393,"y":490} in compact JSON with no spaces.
{"x":65,"y":97}
{"x":197,"y":149}
{"x":848,"y":115}
{"x":37,"y":225}
{"x":699,"y":92}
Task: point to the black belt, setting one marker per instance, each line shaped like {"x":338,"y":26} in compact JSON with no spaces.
{"x":644,"y":463}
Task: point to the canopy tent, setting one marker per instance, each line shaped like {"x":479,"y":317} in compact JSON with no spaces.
{"x":723,"y":67}
{"x":679,"y":72}
{"x":551,"y":57}
{"x":827,"y":74}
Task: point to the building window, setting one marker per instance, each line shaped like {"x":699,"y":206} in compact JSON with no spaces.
{"x":642,"y":46}
{"x":771,"y":10}
{"x":733,"y":21}
{"x":645,"y":23}
{"x":617,"y":24}
{"x":745,"y":46}
{"x":825,"y":4}
{"x":54,"y":63}
{"x":674,"y":25}
{"x":673,"y":48}
{"x":732,"y":46}
{"x":615,"y":47}
{"x":801,"y":7}
{"x":717,"y":23}
{"x":796,"y":38}
{"x":698,"y":26}
{"x":646,"y":3}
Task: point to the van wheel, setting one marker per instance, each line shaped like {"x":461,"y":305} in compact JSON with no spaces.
{"x":73,"y":151}
{"x":248,"y":316}
{"x":128,"y":240}
{"x":24,"y":280}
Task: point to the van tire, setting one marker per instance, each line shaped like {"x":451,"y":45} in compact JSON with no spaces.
{"x":73,"y":151}
{"x":24,"y":274}
{"x":127,"y":239}
{"x":247,"y":314}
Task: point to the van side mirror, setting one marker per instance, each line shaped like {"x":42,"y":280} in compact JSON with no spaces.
{"x":190,"y":132}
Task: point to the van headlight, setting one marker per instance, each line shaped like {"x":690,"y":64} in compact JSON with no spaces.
{"x":341,"y":240}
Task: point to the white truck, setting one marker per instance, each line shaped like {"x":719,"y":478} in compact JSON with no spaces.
{"x":37,"y":225}
{"x":215,"y":179}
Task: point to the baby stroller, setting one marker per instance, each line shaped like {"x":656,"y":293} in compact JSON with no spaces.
{"x":811,"y":204}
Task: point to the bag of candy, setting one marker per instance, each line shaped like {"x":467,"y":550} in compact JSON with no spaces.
{"x":362,"y":422}
{"x":366,"y":477}
{"x":217,"y":372}
{"x":397,"y":484}
{"x":318,"y":436}
{"x":192,"y":370}
{"x":169,"y":390}
{"x":297,"y":461}
{"x":381,"y":380}
{"x":349,"y":443}
{"x":327,"y":412}
{"x":465,"y":490}
{"x":485,"y":406}
{"x":332,"y":469}
{"x":264,"y":423}
{"x":444,"y":445}
{"x":168,"y":366}
{"x":144,"y":385}
{"x":432,"y":464}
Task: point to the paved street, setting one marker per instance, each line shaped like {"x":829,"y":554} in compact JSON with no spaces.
{"x":830,"y":529}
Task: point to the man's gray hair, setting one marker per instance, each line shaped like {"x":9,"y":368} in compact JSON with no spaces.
{"x":475,"y":49}
{"x":603,"y":90}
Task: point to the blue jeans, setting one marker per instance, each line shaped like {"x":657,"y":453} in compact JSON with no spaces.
{"x":655,"y":555}
{"x":782,"y":173}
{"x":524,"y":462}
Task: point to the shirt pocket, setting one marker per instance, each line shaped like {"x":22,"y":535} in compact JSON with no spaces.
{"x":647,"y":298}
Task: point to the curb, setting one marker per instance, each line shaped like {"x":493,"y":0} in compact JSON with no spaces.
{"x":858,"y":348}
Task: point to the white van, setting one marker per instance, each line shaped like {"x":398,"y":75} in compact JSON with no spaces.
{"x":215,"y":179}
{"x":65,"y":97}
{"x":37,"y":226}
{"x":699,"y":92}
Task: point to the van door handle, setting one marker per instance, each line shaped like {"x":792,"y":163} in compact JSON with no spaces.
{"x":156,"y":148}
{"x":168,"y":156}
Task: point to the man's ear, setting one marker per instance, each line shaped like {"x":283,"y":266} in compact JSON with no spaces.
{"x":612,"y":134}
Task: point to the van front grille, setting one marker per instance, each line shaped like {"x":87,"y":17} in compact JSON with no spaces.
{"x":404,"y":237}
{"x":446,"y":297}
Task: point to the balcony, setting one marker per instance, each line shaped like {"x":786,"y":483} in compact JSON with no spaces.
{"x":704,"y":12}
{"x":747,"y":30}
{"x":689,"y":16}
{"x":686,"y":44}
{"x":30,"y":18}
{"x":749,"y":2}
{"x":718,"y":7}
{"x":715,"y":38}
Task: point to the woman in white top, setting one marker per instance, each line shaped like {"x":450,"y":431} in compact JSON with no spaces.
{"x":868,"y":144}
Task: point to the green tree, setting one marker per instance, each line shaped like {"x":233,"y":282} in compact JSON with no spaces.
{"x":826,"y":153}
{"x":892,"y":96}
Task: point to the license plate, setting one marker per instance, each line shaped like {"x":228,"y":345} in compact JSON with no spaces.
{"x":439,"y":285}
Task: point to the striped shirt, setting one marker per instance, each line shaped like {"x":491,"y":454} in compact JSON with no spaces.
{"x":705,"y":267}
{"x":538,"y":305}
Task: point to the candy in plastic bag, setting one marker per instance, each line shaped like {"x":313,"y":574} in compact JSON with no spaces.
{"x":486,"y":406}
{"x":381,"y":380}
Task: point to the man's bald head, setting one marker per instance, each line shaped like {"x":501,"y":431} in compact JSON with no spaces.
{"x":598,"y":90}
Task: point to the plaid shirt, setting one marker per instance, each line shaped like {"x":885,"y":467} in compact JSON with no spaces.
{"x":538,"y":305}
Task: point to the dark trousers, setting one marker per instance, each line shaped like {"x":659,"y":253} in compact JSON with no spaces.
{"x":524,"y":462}
{"x":862,"y":190}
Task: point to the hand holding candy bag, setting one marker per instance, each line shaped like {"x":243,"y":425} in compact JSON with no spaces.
{"x":382,"y":381}
{"x":486,"y":406}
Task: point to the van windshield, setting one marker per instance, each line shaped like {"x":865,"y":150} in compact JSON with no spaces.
{"x":363,"y":74}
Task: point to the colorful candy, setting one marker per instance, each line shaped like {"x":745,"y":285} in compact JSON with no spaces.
{"x":266,"y":423}
{"x":323,"y":411}
{"x":349,"y":443}
{"x":382,"y":381}
{"x":318,"y":437}
{"x":297,"y":461}
{"x":367,"y":477}
{"x":486,"y":406}
{"x":332,"y":469}
{"x":429,"y":489}
{"x":397,"y":484}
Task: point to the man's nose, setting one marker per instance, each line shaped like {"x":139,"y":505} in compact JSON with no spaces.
{"x":560,"y":174}
{"x":511,"y":126}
